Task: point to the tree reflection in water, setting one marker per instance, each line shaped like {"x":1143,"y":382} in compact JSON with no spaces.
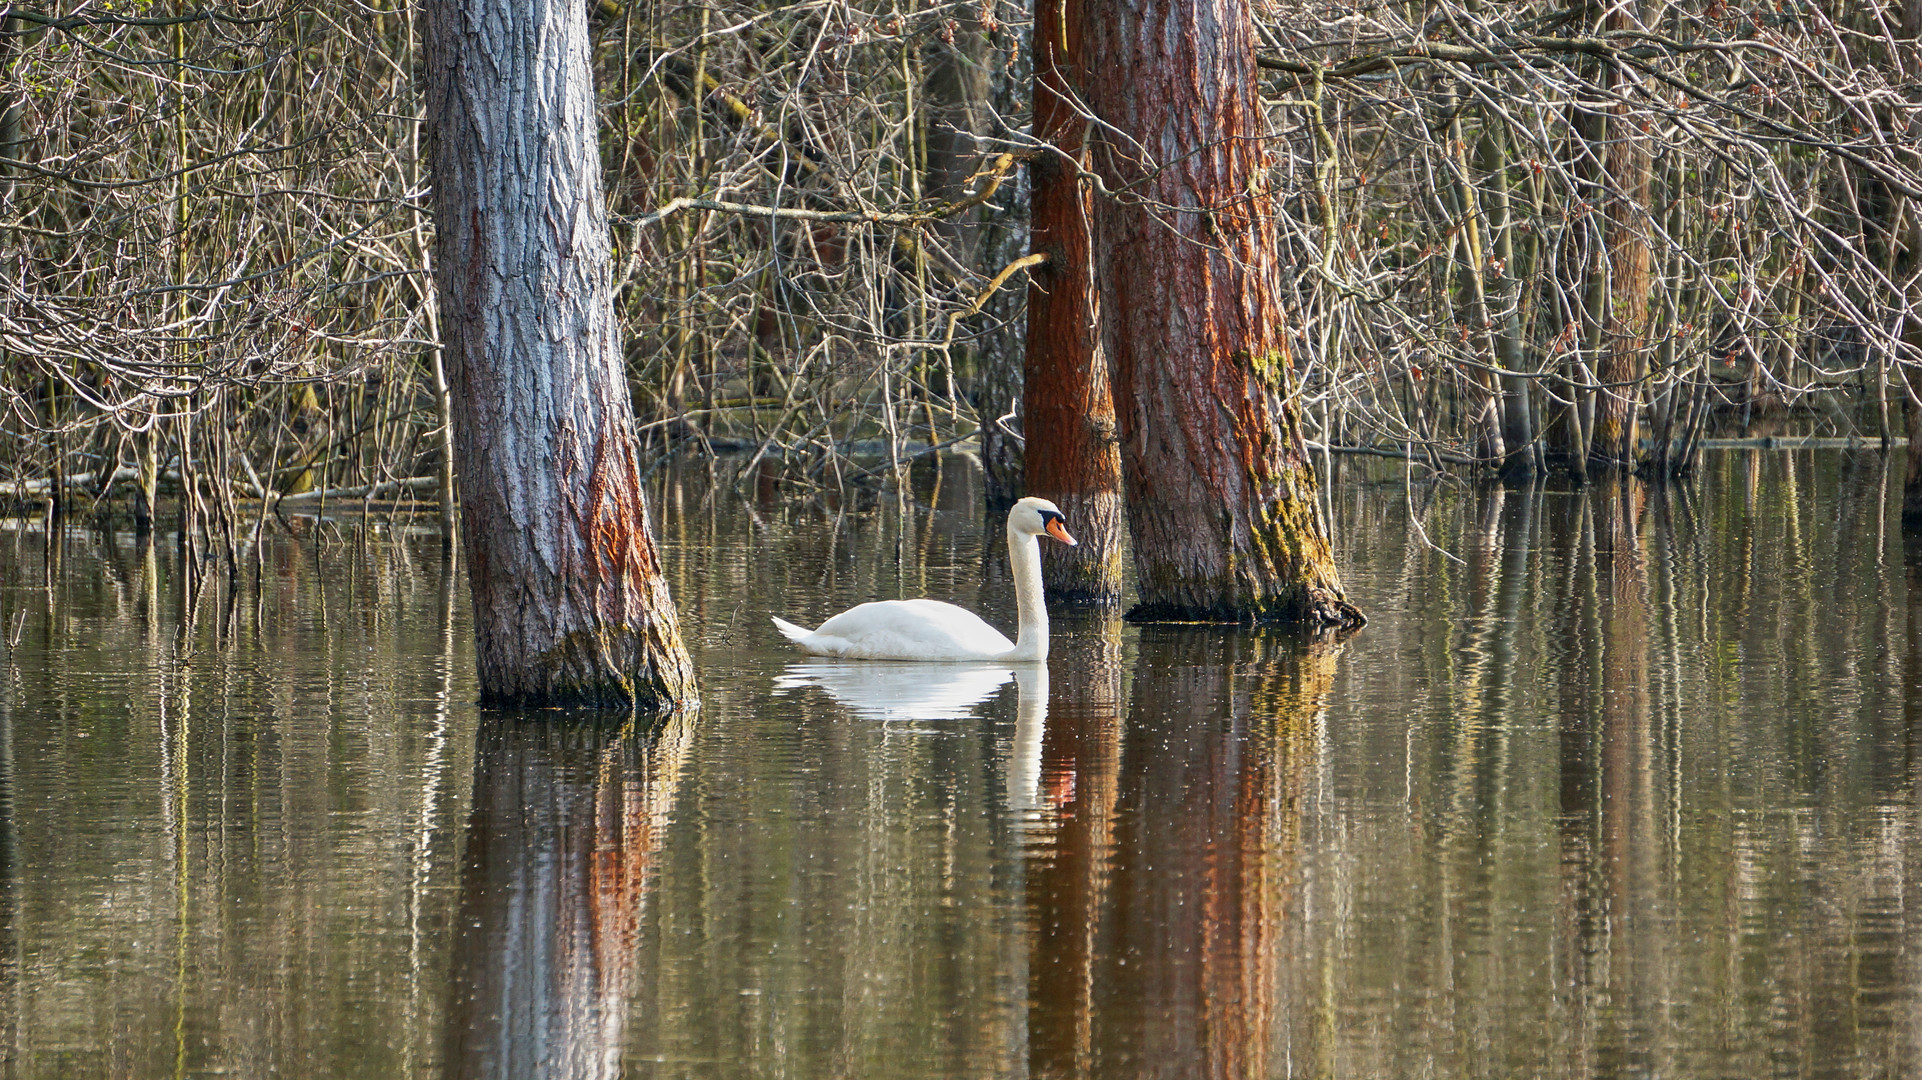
{"x":1157,"y":909}
{"x":1619,"y":781}
{"x":566,"y":826}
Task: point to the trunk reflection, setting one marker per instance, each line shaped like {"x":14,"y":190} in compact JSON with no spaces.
{"x":566,"y":827}
{"x":1158,"y":912}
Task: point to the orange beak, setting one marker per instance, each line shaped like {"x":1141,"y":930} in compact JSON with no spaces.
{"x":1060,"y":532}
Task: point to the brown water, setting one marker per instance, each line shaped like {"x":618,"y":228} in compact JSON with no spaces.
{"x":1613,"y":784}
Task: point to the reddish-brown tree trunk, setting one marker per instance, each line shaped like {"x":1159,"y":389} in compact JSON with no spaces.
{"x":1073,"y":456}
{"x":1221,"y":494}
{"x":1626,"y":175}
{"x":570,"y":606}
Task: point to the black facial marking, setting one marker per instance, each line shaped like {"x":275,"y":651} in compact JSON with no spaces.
{"x":1050,"y":516}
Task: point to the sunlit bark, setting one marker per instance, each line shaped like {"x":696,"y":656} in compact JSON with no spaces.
{"x":1073,"y":456}
{"x":1220,"y":491}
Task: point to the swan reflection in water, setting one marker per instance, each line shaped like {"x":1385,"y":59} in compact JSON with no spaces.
{"x":906,"y":692}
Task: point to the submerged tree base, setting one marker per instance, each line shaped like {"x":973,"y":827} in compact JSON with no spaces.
{"x":604,"y":670}
{"x":610,"y":697}
{"x":1309,"y":608}
{"x":1093,"y":573}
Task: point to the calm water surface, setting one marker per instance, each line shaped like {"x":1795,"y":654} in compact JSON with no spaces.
{"x":1613,"y":784}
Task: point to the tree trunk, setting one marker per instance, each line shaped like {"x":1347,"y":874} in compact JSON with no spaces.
{"x":1518,"y":397}
{"x":570,"y":606}
{"x":1909,"y":356}
{"x":1073,"y":457}
{"x":1626,"y":178}
{"x":12,"y":102}
{"x":1579,"y":243}
{"x":955,"y":105}
{"x":1474,"y":288}
{"x":1221,"y":493}
{"x":1907,"y":360}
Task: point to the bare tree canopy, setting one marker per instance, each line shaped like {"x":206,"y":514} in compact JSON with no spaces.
{"x":1525,"y":237}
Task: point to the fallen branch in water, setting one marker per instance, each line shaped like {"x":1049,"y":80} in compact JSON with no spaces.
{"x":366,"y":491}
{"x":22,"y":489}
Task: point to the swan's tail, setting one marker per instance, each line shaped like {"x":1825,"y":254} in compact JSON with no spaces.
{"x":789,"y":630}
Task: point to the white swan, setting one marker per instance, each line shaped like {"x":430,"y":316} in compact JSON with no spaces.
{"x":932,"y":630}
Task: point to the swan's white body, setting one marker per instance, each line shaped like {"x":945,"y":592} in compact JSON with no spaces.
{"x":932,"y":630}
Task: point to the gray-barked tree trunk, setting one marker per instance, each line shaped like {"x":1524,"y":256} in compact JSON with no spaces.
{"x":570,"y":605}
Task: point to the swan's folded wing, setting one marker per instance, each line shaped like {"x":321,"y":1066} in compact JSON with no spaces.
{"x":912,"y":630}
{"x":789,"y":630}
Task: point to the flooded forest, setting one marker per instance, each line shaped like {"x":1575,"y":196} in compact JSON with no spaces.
{"x":1519,"y":239}
{"x":1572,"y":349}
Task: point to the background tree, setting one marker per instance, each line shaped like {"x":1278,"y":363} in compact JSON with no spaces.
{"x":1623,"y":279}
{"x":1904,"y":256}
{"x":569,"y":602}
{"x":1221,"y":495}
{"x":1073,"y":454}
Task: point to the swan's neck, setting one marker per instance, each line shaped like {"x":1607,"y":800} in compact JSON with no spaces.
{"x":1024,"y":560}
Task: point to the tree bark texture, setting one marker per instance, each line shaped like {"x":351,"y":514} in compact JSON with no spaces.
{"x":1627,"y":175}
{"x":1220,"y":490}
{"x":1518,"y":396}
{"x":1576,"y":304}
{"x":1912,"y":402}
{"x":1911,"y":352}
{"x":12,"y":103}
{"x":1073,"y":455}
{"x":570,"y":605}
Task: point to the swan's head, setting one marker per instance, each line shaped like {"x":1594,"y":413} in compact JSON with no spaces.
{"x":1039,"y":517}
